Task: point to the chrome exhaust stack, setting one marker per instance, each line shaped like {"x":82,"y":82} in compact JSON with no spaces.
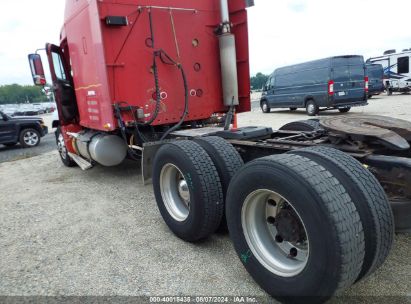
{"x":228,"y":58}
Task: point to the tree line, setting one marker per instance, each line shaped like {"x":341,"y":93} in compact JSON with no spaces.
{"x":15,"y":93}
{"x":258,"y":81}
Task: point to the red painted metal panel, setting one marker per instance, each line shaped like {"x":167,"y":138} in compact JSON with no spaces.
{"x":113,"y":64}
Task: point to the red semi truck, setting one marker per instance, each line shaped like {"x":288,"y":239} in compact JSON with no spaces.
{"x":309,"y":208}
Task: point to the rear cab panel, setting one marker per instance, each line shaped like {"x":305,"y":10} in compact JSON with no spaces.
{"x":113,"y":64}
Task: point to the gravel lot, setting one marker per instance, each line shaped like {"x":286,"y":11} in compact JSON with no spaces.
{"x":47,"y":144}
{"x":68,"y":232}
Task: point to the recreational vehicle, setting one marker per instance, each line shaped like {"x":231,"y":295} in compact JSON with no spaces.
{"x":397,"y":72}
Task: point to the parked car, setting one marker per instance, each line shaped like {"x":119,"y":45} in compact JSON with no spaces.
{"x":331,"y":83}
{"x":11,"y":111}
{"x":40,"y":108}
{"x":24,"y":130}
{"x":375,"y":73}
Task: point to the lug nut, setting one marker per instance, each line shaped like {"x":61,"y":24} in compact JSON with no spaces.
{"x":279,"y":238}
{"x":271,"y":220}
{"x":293,"y":252}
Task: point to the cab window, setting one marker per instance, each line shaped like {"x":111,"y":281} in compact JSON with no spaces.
{"x":58,"y":66}
{"x":270,"y":83}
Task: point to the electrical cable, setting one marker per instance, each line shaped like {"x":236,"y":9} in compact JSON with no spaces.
{"x":155,"y":72}
{"x":168,"y":60}
{"x":185,"y":113}
{"x":139,"y":134}
{"x":122,"y":126}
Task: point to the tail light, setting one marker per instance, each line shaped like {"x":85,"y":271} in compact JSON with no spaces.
{"x":366,"y":84}
{"x":331,"y":87}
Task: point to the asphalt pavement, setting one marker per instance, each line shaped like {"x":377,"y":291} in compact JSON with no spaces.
{"x":47,"y":144}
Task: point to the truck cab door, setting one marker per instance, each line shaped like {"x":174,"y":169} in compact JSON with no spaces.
{"x":63,"y":85}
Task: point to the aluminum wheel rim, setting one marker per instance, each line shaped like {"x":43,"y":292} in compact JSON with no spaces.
{"x":265,"y":107}
{"x":261,"y":235}
{"x":61,"y":146}
{"x":175,"y":192}
{"x":30,"y":138}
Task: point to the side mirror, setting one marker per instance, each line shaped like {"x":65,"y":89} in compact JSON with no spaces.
{"x":37,"y":71}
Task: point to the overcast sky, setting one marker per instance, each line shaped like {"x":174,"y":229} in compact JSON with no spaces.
{"x":281,"y":31}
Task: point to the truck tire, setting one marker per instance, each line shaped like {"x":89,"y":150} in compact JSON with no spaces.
{"x":264,"y":106}
{"x":295,"y":228}
{"x":311,"y":108}
{"x":61,"y":148}
{"x":302,"y":125}
{"x":226,"y":160}
{"x":369,"y":198}
{"x":344,"y":110}
{"x":29,"y":138}
{"x":188,"y":190}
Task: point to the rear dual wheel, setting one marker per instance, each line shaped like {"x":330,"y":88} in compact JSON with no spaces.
{"x":303,"y":226}
{"x":309,"y":223}
{"x":190,"y":181}
{"x":188,"y":190}
{"x":369,"y":198}
{"x":227,"y":162}
{"x":295,"y":228}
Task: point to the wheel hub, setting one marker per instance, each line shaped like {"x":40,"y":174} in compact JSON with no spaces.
{"x":289,"y":227}
{"x":30,"y":138}
{"x":175,"y":192}
{"x":183,"y":190}
{"x":275,"y":233}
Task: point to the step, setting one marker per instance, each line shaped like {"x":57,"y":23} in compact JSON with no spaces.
{"x":81,"y":162}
